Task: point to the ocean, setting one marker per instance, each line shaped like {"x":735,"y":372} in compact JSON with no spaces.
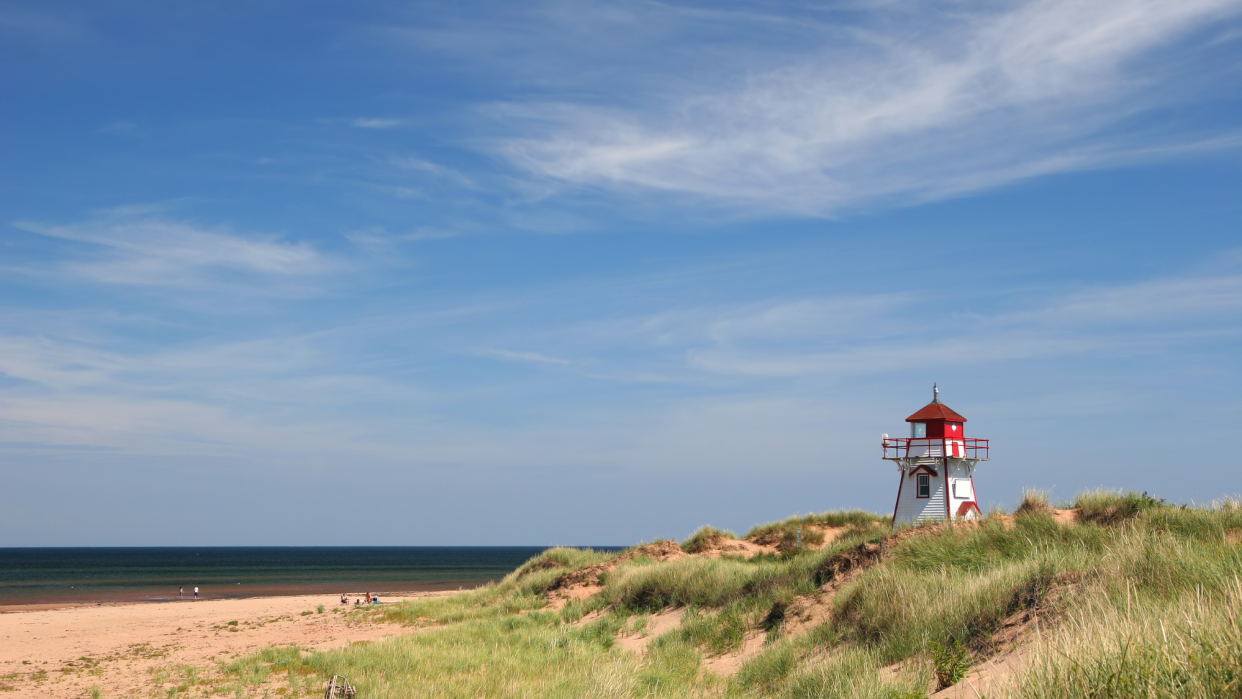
{"x":59,"y":575}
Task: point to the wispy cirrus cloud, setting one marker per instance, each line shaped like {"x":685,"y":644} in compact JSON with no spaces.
{"x":123,"y":127}
{"x":516,"y":356}
{"x":1139,"y":318}
{"x":855,"y":335}
{"x":38,"y":25}
{"x":356,"y":383}
{"x":375,"y":123}
{"x":1188,"y":299}
{"x":141,"y":249}
{"x":910,"y":103}
{"x":407,"y":162}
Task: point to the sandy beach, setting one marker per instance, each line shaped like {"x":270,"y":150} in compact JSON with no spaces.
{"x":131,"y":650}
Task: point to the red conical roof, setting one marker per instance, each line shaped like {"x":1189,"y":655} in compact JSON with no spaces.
{"x":935,"y":410}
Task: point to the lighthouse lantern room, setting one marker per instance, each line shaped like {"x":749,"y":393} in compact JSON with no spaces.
{"x":937,"y":464}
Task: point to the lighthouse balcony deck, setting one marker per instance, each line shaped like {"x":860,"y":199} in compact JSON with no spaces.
{"x":898,"y":448}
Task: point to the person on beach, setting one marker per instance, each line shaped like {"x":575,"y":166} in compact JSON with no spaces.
{"x":344,"y":598}
{"x":368,"y":598}
{"x":195,"y":593}
{"x":181,"y":592}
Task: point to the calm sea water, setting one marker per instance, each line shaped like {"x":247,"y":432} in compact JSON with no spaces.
{"x":37,"y":575}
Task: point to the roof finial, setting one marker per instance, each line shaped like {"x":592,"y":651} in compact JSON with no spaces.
{"x":935,"y":393}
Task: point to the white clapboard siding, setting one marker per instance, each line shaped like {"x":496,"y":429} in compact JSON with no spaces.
{"x":934,"y":510}
{"x":911,"y":508}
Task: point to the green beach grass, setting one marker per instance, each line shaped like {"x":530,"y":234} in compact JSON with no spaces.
{"x":1138,"y":598}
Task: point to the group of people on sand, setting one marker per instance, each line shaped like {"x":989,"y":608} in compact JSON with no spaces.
{"x":370,"y":599}
{"x":181,"y":592}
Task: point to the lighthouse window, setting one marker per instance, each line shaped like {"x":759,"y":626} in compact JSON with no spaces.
{"x":918,"y":430}
{"x":924,"y":485}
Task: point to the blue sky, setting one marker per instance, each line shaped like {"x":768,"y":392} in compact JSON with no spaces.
{"x":498,"y":273}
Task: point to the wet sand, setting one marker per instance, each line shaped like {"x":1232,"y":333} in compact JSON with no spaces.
{"x":91,"y":598}
{"x":133,"y":650}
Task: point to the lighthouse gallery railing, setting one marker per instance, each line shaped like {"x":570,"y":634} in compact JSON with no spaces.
{"x":917,"y":448}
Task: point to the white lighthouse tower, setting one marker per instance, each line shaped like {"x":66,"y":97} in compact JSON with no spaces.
{"x":937,"y":463}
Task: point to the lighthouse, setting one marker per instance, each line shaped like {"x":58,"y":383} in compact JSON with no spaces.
{"x":937,"y":464}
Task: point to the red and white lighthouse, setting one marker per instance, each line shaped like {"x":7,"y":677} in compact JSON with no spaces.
{"x":937,"y":463}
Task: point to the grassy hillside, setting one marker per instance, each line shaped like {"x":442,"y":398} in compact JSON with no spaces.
{"x":1117,"y":595}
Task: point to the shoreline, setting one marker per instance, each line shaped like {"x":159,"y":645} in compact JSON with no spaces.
{"x":434,"y":590}
{"x":60,"y":577}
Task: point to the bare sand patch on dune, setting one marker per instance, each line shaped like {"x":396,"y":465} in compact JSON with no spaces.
{"x":657,"y":625}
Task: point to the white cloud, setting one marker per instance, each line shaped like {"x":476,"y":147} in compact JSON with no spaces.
{"x":1124,"y":319}
{"x":523,"y":356}
{"x":360,"y":394}
{"x":378,"y":240}
{"x":375,"y":123}
{"x":962,"y":101}
{"x":400,"y":383}
{"x":855,"y":335}
{"x":135,"y":249}
{"x":1163,"y":301}
{"x":123,"y":126}
{"x":54,"y":27}
{"x":435,"y":169}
